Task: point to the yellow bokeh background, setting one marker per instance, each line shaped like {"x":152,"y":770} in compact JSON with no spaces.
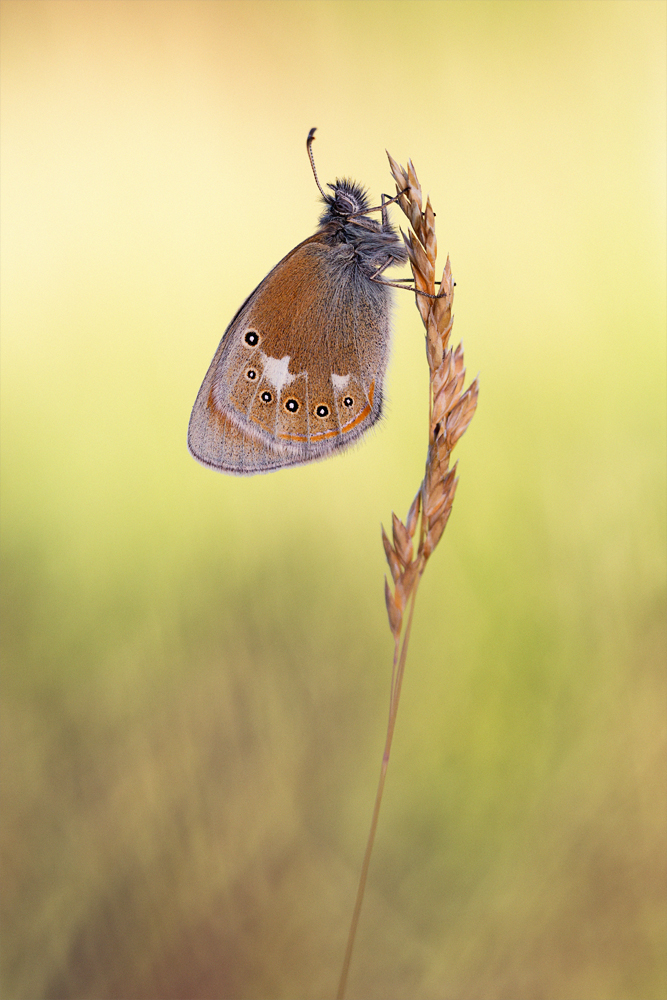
{"x":196,"y":667}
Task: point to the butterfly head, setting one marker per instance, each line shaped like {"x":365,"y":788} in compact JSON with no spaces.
{"x":374,"y":244}
{"x":348,"y":199}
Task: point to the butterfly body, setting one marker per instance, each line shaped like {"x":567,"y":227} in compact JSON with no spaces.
{"x":299,"y":371}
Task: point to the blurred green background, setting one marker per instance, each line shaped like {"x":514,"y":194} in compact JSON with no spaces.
{"x":196,"y":667}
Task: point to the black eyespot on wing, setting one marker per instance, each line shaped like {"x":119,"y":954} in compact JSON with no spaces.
{"x":251,"y":374}
{"x":291,"y":405}
{"x":321,"y":411}
{"x":266,"y":396}
{"x":251,"y":338}
{"x":348,"y":401}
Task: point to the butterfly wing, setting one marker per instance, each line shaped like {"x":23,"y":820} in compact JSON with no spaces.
{"x":298,"y":373}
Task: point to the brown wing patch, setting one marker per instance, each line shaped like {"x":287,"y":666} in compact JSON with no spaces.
{"x":242,"y":392}
{"x":263,"y":409}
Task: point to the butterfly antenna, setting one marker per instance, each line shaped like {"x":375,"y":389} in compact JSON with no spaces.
{"x":309,"y":147}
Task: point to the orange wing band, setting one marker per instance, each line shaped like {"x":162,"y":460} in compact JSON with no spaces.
{"x":344,"y":430}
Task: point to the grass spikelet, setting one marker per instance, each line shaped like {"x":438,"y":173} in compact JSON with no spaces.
{"x":450,"y":408}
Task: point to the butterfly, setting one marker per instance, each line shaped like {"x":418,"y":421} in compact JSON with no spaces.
{"x":299,"y":372}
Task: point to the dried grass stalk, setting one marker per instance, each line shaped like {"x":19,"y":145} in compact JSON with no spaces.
{"x":451,"y":408}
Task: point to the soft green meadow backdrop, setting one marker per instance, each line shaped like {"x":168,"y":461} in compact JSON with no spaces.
{"x":197,"y":667}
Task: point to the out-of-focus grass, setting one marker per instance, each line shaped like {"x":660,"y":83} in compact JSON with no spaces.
{"x":196,"y":668}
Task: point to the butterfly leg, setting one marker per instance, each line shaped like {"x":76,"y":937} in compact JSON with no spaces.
{"x":380,"y":208}
{"x":397,"y":283}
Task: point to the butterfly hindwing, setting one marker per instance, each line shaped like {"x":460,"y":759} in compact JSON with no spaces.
{"x":299,"y":370}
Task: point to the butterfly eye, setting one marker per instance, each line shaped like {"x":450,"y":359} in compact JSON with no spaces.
{"x":251,"y":338}
{"x":292,"y":405}
{"x":266,"y":396}
{"x":251,"y":374}
{"x":348,"y":401}
{"x":322,"y":411}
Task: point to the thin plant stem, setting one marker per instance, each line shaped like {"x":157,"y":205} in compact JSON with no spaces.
{"x":450,"y":410}
{"x":361,"y":888}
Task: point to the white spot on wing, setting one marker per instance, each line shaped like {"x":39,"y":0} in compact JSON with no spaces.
{"x":339,"y":381}
{"x":276,"y":371}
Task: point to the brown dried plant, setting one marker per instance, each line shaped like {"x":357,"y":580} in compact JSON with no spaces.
{"x":450,"y":411}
